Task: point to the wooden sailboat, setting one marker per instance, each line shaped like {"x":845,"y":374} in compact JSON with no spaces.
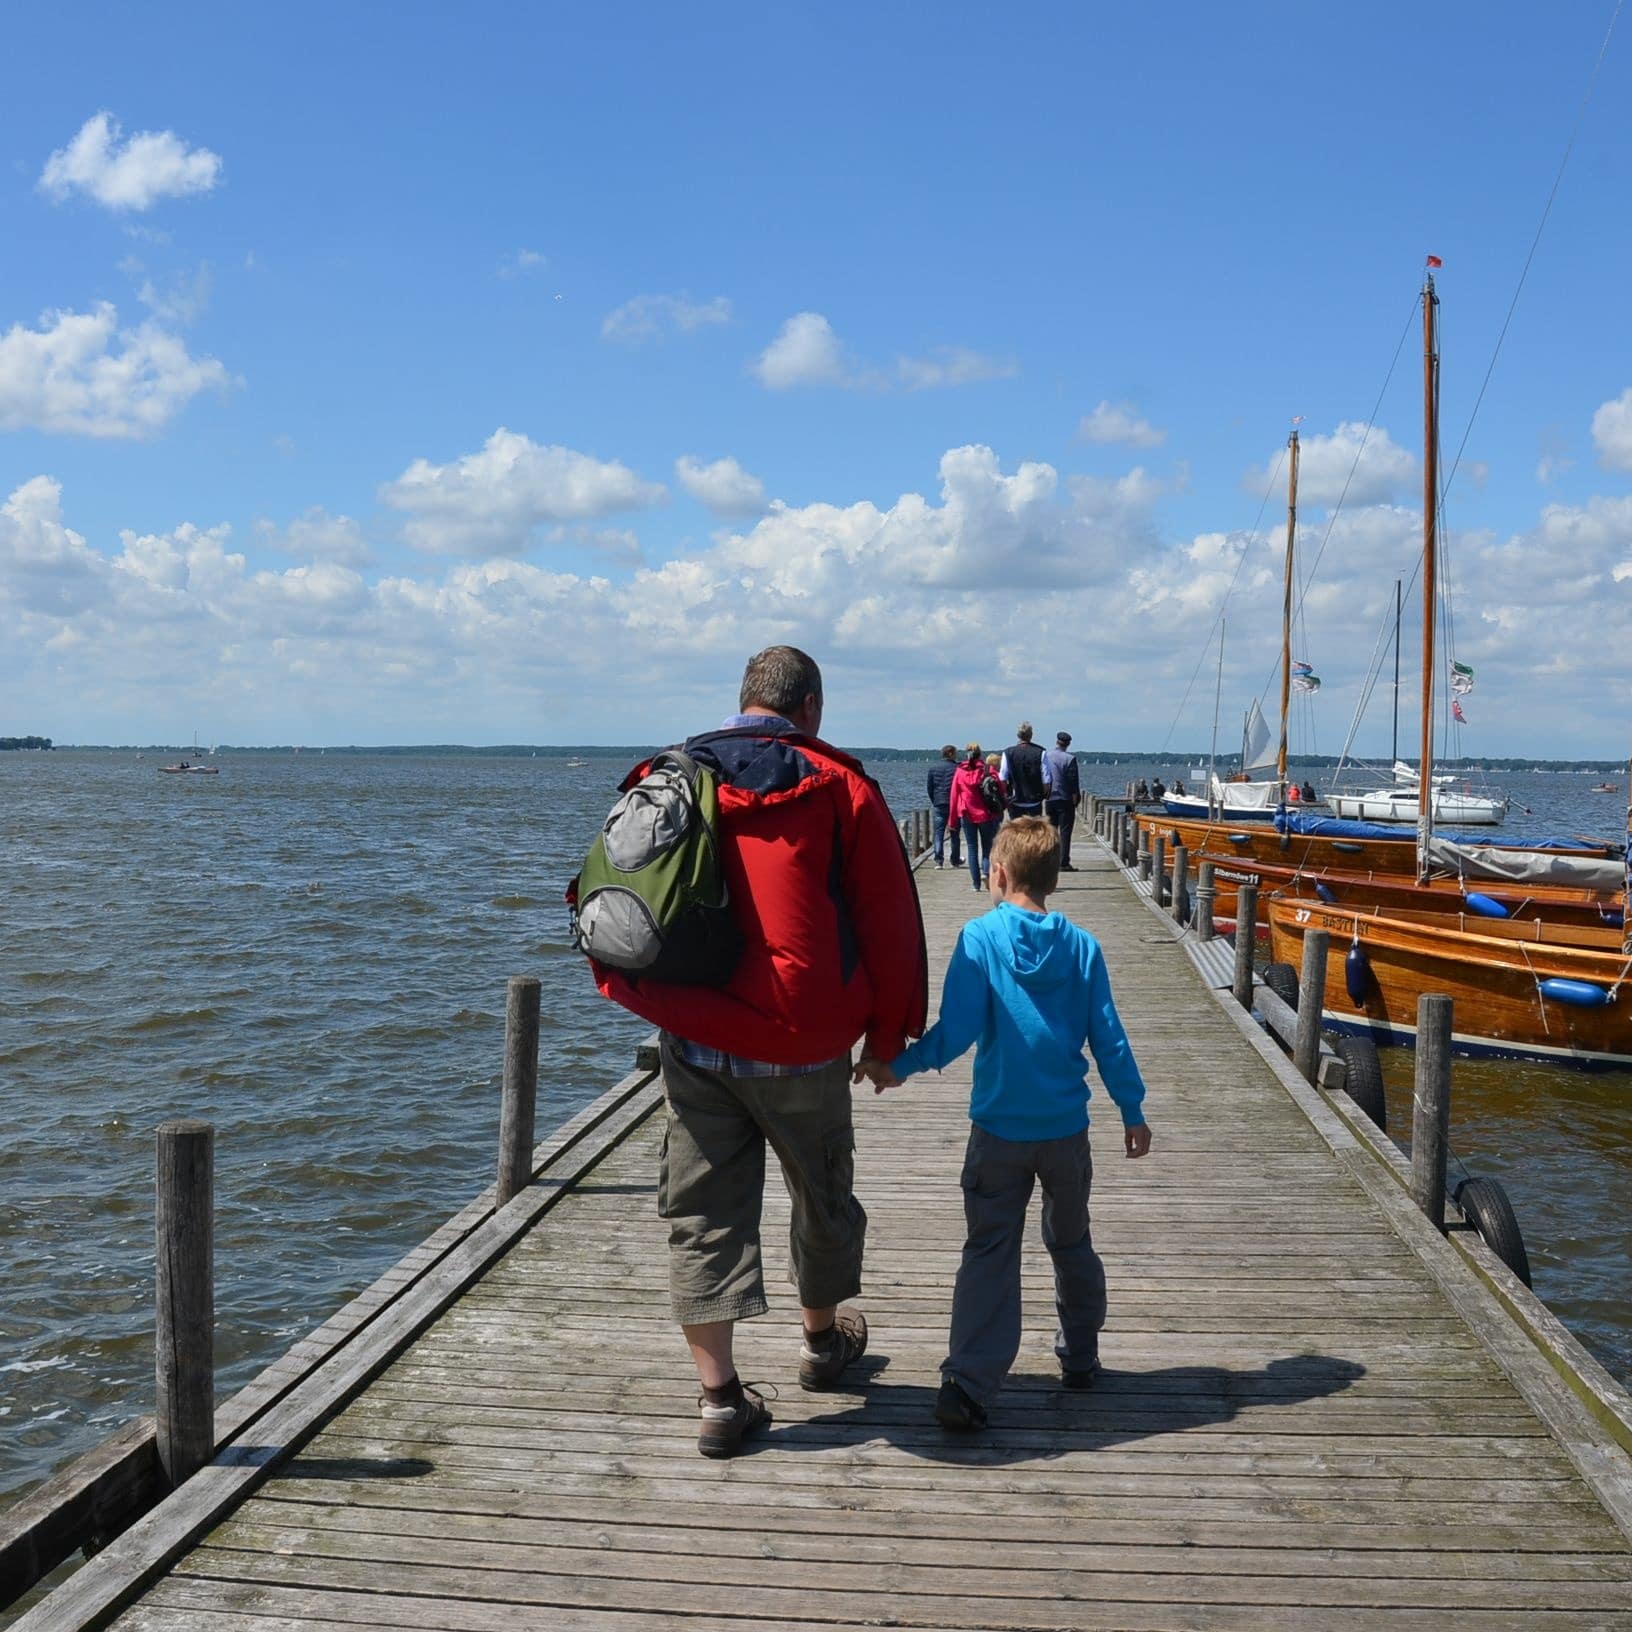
{"x":1534,"y":991}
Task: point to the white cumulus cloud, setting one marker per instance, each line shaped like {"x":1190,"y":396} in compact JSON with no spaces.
{"x":495,"y":499}
{"x":647,"y":316}
{"x":1612,"y":432}
{"x":1113,"y":422}
{"x":317,"y":536}
{"x":805,"y":352}
{"x":724,"y":486}
{"x":79,"y":373}
{"x":1363,"y":459}
{"x":129,"y":174}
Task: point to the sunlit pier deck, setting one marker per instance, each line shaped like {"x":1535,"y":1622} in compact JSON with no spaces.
{"x":1316,"y":1413}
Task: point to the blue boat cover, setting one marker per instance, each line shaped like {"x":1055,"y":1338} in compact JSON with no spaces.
{"x":1329,"y":827}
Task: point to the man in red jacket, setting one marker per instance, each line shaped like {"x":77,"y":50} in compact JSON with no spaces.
{"x":833,"y":951}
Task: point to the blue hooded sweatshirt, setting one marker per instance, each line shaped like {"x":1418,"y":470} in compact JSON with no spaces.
{"x":1029,"y":989}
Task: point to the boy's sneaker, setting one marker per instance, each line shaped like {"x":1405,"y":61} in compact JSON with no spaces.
{"x":956,"y":1410}
{"x":726,"y":1426}
{"x":822,"y":1364}
{"x":1085,"y":1377}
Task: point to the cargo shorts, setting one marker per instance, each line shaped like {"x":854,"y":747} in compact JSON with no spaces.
{"x":711,"y":1186}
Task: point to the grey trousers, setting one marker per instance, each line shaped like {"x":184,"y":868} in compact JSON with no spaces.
{"x":998,"y":1175}
{"x":711,"y":1186}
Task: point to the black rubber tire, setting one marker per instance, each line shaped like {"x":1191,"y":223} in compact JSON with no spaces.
{"x":1282,"y":980}
{"x":1363,"y":1076}
{"x":1491,"y":1214}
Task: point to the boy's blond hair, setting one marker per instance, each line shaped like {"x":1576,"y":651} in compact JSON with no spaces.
{"x":1028,"y":848}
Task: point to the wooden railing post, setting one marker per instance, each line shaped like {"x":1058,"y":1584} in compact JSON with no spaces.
{"x":1204,"y":902}
{"x":1181,"y":883}
{"x":1130,"y":839}
{"x":1311,"y":1003}
{"x":1246,"y":933}
{"x":1431,"y":1106}
{"x":1158,"y":868}
{"x":517,"y":1114}
{"x":184,"y":1297}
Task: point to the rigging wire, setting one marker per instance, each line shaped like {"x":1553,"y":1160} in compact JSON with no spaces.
{"x":1541,"y":226}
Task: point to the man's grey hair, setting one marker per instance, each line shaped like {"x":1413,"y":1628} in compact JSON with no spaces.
{"x":780,"y":678}
{"x":1025,"y":731}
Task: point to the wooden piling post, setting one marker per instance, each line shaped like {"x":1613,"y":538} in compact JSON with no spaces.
{"x":184,"y":1296}
{"x":1246,"y":932}
{"x":1181,"y":883}
{"x":1144,"y":855}
{"x":517,"y":1114}
{"x":1311,"y":1003}
{"x":1158,"y":868}
{"x":1431,"y":1106}
{"x":1130,"y":839}
{"x":1204,"y":902}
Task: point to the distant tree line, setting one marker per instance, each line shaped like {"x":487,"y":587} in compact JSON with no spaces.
{"x":25,"y":742}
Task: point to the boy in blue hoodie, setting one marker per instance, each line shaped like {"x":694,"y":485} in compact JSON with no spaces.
{"x":1029,"y":988}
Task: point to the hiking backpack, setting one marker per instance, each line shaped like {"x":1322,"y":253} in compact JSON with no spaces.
{"x":651,"y":898}
{"x":990,"y":790}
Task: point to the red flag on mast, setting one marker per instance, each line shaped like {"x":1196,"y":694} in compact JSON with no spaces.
{"x":1434,"y":260}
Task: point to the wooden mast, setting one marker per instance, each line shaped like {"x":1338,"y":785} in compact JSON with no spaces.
{"x":1286,"y":604}
{"x":1430,"y":516}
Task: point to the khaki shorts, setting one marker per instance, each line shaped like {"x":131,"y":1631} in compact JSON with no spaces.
{"x":711,"y":1187}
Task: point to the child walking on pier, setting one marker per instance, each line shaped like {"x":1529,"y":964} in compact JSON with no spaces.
{"x":1029,"y":988}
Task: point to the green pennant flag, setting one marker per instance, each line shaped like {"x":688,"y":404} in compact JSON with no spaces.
{"x":1462,"y":668}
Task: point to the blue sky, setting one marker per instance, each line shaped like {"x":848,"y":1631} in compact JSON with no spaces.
{"x":510,"y":373}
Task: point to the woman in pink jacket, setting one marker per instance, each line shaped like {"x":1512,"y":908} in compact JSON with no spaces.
{"x":978,"y":813}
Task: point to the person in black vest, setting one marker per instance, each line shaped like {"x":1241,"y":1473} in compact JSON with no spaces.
{"x":1064,"y":793}
{"x":1024,"y":775}
{"x":938,"y":785}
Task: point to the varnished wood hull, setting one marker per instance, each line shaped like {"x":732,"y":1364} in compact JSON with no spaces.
{"x":1493,"y":981}
{"x":1336,"y":886}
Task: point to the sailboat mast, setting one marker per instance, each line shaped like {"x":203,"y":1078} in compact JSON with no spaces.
{"x":1286,"y":603}
{"x":1430,"y":566}
{"x":1218,"y":695}
{"x":1397,"y":596}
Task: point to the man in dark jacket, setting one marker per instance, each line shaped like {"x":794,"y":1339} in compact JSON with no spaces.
{"x":1064,"y":793}
{"x":1025,"y":775}
{"x":938,"y":785}
{"x":833,"y":951}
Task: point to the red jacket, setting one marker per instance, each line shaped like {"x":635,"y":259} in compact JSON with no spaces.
{"x":833,"y":941}
{"x":966,"y":796}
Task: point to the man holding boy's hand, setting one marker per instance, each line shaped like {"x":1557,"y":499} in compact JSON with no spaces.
{"x":1030,"y":989}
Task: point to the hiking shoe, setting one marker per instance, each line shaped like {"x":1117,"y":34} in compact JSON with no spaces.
{"x":725,"y":1427}
{"x":1087,"y":1377}
{"x":847,"y":1340}
{"x":956,"y":1410}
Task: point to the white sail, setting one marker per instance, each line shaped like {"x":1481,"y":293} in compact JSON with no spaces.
{"x":1260,"y":749}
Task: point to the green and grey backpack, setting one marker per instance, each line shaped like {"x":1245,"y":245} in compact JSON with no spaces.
{"x":651,"y":898}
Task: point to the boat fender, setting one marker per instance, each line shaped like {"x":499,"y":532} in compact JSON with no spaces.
{"x":1348,"y":848}
{"x":1485,"y":906}
{"x":1327,"y":894}
{"x":1579,"y":994}
{"x":1484,"y":1202}
{"x":1174,"y":837}
{"x":1614,"y":917}
{"x":1357,"y":977}
{"x":1282,"y":980}
{"x":1240,"y":838}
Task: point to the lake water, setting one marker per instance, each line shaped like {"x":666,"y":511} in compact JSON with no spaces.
{"x":311,"y":951}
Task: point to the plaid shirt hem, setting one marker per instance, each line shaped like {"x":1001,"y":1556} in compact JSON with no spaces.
{"x":716,"y":1059}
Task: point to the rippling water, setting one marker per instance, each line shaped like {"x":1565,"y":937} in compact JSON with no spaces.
{"x":311,"y":952}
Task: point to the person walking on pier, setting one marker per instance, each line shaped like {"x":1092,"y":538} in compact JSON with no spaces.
{"x":1064,"y":792}
{"x":1029,"y":988}
{"x":833,"y":950}
{"x":977,"y":807}
{"x":938,"y":785}
{"x":1024,"y":774}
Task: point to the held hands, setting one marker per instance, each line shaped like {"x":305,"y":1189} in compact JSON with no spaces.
{"x":1136,"y":1141}
{"x":875,"y":1071}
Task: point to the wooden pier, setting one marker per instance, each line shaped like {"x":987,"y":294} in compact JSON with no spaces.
{"x":1319,"y":1412}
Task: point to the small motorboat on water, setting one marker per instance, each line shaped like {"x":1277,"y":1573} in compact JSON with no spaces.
{"x":1606,"y":787}
{"x":184,"y":769}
